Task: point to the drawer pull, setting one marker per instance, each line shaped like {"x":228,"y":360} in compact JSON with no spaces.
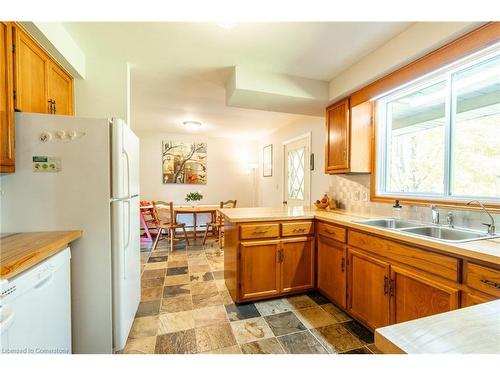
{"x":329,"y":231}
{"x":260,"y":231}
{"x":491,"y":283}
{"x":300,"y":230}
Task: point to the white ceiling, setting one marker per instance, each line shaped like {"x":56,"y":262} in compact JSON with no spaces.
{"x":179,"y":69}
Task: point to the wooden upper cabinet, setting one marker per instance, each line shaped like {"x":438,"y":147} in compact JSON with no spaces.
{"x":368,"y":289}
{"x":414,"y":296}
{"x":41,"y":86}
{"x":332,"y":270}
{"x":349,"y":137}
{"x":337,"y":133}
{"x":297,"y":264}
{"x":7,"y":161}
{"x":31,"y":74}
{"x":60,"y":91}
{"x":260,"y":269}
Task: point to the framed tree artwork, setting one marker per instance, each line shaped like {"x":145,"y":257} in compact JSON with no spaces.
{"x":267,"y":161}
{"x":184,"y":162}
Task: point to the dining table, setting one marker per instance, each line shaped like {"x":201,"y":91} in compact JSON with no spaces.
{"x":194,"y":210}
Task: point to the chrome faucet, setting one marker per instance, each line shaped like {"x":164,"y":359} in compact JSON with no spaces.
{"x":449,"y":219}
{"x":491,"y":226}
{"x":435,"y":214}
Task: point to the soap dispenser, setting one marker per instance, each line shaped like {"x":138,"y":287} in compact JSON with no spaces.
{"x":396,"y":210}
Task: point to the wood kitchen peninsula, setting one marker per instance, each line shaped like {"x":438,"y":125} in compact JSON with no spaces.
{"x":378,"y":276}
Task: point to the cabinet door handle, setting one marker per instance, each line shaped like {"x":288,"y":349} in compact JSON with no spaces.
{"x":392,"y":286}
{"x":260,"y":231}
{"x":54,"y":103}
{"x":50,"y":106}
{"x":491,"y":283}
{"x":342,"y":264}
{"x":386,"y":285}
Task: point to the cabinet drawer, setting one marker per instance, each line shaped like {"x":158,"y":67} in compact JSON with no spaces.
{"x":333,"y":232}
{"x":484,"y":279}
{"x":249,"y":231}
{"x":428,"y":261}
{"x":297,"y":228}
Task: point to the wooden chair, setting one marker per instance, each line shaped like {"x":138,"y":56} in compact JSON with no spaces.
{"x":164,"y":217}
{"x":217,"y":223}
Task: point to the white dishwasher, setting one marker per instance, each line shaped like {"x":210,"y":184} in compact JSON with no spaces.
{"x":35,"y":308}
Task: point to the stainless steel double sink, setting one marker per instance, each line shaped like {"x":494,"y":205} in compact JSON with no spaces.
{"x":437,"y":232}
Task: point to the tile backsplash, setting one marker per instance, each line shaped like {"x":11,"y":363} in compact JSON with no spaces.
{"x":352,"y":193}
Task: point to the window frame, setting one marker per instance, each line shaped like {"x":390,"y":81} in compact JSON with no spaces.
{"x":381,"y":146}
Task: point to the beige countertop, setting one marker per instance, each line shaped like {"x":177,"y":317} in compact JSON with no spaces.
{"x":474,"y":329}
{"x":487,"y":251}
{"x":20,"y":251}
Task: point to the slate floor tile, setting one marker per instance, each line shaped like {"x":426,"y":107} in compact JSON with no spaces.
{"x":336,"y":339}
{"x":301,"y":343}
{"x":274,"y":306}
{"x":359,"y":331}
{"x":362,"y":350}
{"x":315,"y":317}
{"x":173,"y":322}
{"x":177,"y":271}
{"x":205,"y":300}
{"x":214,"y":337}
{"x":284,"y":323}
{"x":241,"y":311}
{"x":318,"y":298}
{"x":143,"y":345}
{"x":176,"y":290}
{"x":337,"y":314}
{"x":266,"y":346}
{"x":181,"y":342}
{"x":201,"y":277}
{"x":175,"y":304}
{"x":148,"y":308}
{"x":156,"y":259}
{"x":251,"y":330}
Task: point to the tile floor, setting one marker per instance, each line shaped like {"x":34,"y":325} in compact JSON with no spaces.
{"x":186,"y":308}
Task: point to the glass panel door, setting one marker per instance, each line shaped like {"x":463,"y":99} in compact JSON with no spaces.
{"x":297,"y":172}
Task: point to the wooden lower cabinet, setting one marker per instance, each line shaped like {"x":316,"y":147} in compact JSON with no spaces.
{"x":415,"y":296}
{"x":472,"y":299}
{"x":368,"y":289}
{"x":259,"y":269}
{"x":268,"y":268}
{"x":297,"y":264}
{"x":332,"y":270}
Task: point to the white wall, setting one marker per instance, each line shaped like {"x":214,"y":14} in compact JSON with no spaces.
{"x":270,"y":190}
{"x":414,"y":42}
{"x":228,"y":172}
{"x":104,"y":92}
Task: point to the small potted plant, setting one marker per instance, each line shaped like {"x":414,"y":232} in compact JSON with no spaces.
{"x":194,"y":197}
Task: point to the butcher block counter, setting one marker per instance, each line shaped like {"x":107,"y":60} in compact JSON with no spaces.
{"x":472,"y":330}
{"x":20,"y":251}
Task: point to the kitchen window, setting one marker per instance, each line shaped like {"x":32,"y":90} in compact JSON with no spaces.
{"x":439,"y":137}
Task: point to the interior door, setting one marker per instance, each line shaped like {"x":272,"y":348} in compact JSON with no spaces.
{"x":414,"y":296}
{"x":332,"y":264}
{"x":368,"y":289}
{"x":297,"y":171}
{"x":297,"y":264}
{"x":259,"y":268}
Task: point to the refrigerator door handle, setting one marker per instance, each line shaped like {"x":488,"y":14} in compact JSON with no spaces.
{"x":127,"y":239}
{"x":128,"y":171}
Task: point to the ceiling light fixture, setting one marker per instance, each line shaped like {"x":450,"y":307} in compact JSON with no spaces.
{"x":192,"y":125}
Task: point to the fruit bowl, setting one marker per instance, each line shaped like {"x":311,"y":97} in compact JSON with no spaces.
{"x":320,"y":205}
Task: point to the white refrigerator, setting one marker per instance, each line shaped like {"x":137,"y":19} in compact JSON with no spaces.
{"x":79,"y":173}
